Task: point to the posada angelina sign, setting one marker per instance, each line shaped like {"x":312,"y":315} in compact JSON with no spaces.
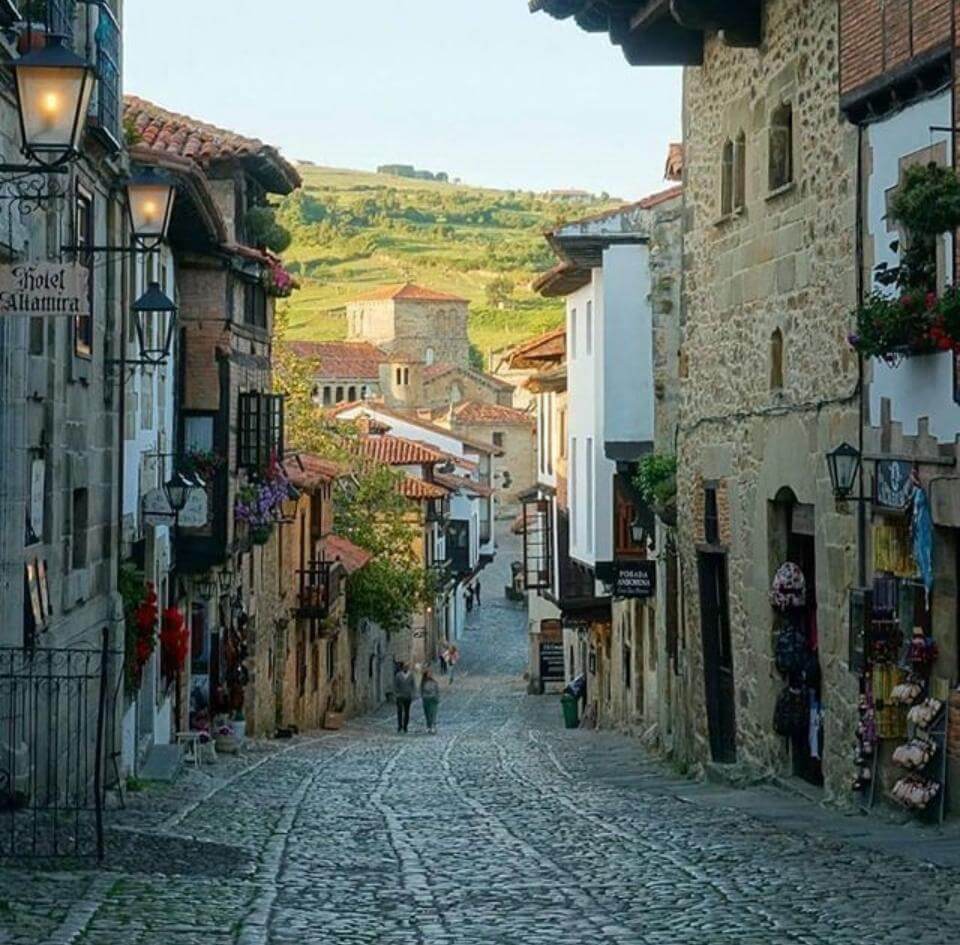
{"x":44,"y":289}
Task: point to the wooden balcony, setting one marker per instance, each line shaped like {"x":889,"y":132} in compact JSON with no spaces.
{"x":314,"y":591}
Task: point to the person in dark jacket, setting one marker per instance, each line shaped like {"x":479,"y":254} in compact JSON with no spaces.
{"x":430,"y":693}
{"x":404,"y":689}
{"x":476,"y":592}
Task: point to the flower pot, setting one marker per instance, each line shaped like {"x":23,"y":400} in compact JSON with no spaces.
{"x":260,"y":534}
{"x":227,"y":744}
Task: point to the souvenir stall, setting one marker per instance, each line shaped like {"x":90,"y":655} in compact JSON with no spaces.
{"x":798,"y":715}
{"x":901,"y":740}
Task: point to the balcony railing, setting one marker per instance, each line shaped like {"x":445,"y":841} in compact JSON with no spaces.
{"x":314,"y":591}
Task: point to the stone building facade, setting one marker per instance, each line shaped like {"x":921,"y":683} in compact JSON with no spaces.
{"x":768,"y":288}
{"x":414,"y":322}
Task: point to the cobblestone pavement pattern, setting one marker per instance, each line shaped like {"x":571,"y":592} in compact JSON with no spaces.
{"x":492,"y":832}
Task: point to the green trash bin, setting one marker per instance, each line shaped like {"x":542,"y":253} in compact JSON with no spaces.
{"x":569,"y":705}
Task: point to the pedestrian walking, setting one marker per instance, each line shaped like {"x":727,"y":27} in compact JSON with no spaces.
{"x":430,"y":693}
{"x":468,"y":595}
{"x":453,"y":657}
{"x":404,"y":689}
{"x":442,"y":657}
{"x":476,"y":593}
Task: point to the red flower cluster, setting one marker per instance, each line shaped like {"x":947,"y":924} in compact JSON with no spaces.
{"x":175,"y":637}
{"x":942,"y":339}
{"x":145,"y":618}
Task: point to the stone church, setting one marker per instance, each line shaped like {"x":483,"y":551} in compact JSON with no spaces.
{"x":410,"y":321}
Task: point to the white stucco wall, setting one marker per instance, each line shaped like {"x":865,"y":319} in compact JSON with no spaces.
{"x":591,"y":522}
{"x":921,"y":386}
{"x":626,"y":338}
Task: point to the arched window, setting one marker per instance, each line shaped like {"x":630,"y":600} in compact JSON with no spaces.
{"x":399,"y":376}
{"x":740,"y":172}
{"x":726,"y":179}
{"x":339,"y":398}
{"x":351,"y":394}
{"x":781,"y":147}
{"x":406,"y":375}
{"x":327,"y":396}
{"x":776,"y":360}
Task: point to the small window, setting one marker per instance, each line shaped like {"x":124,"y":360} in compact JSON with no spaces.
{"x":255,"y":305}
{"x":79,"y":519}
{"x":498,"y":439}
{"x":776,"y":360}
{"x":429,"y":357}
{"x":399,"y":377}
{"x":327,"y":396}
{"x":406,"y":376}
{"x":740,"y":172}
{"x":83,"y":324}
{"x":260,"y":429}
{"x":781,"y":147}
{"x":338,"y":395}
{"x":726,"y":179}
{"x":331,"y":659}
{"x":351,"y":394}
{"x":711,"y":516}
{"x":588,"y":330}
{"x":627,"y":663}
{"x":573,"y":333}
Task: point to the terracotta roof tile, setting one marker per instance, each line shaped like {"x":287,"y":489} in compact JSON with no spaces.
{"x":351,"y":556}
{"x":378,"y":407}
{"x":408,"y":291}
{"x":458,"y":483}
{"x":205,"y":144}
{"x":420,"y":489}
{"x":550,"y":346}
{"x":342,"y":360}
{"x":398,"y":451}
{"x":470,"y":411}
{"x":307,"y":471}
{"x":442,"y":369}
{"x":449,"y":457}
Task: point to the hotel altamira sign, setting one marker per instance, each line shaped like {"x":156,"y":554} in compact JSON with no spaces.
{"x":44,"y":289}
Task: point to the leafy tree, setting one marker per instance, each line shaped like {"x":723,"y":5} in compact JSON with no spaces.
{"x":368,"y":507}
{"x":499,"y":291}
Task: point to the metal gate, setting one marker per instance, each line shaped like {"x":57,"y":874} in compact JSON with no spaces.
{"x":57,"y":718}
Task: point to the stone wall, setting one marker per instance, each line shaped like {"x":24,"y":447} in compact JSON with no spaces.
{"x":519,"y":458}
{"x":782,"y":267}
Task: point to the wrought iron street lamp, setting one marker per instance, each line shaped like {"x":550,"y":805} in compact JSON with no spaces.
{"x":844,"y":465}
{"x":150,"y":205}
{"x":205,"y":586}
{"x":156,"y":318}
{"x":53,"y":88}
{"x":177,"y":490}
{"x":225,"y":578}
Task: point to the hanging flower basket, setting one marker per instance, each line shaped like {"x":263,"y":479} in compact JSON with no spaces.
{"x":915,"y":323}
{"x":260,"y":534}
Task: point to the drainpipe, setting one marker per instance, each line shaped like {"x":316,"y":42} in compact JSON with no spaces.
{"x":861,"y":419}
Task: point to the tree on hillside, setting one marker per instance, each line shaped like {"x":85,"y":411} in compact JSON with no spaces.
{"x":499,"y":292}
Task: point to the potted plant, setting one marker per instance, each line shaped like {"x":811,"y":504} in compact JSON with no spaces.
{"x":203,"y":463}
{"x":225,"y":738}
{"x":260,"y":534}
{"x":656,"y":481}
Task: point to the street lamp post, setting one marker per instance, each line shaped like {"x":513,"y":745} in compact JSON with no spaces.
{"x":156,"y":319}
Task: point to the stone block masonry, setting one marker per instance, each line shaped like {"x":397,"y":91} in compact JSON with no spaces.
{"x":768,"y":382}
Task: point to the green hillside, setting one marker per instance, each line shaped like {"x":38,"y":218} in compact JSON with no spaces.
{"x":354,"y":231}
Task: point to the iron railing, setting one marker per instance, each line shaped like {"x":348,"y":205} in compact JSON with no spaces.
{"x":57,"y":720}
{"x":313,"y":596}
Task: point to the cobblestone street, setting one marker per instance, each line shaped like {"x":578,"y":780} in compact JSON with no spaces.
{"x":502,"y":829}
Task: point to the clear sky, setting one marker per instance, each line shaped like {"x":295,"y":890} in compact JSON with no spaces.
{"x":482,"y":89}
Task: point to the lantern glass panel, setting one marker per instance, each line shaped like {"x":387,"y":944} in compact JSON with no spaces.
{"x":150,"y":205}
{"x":844,"y":463}
{"x":53,"y":106}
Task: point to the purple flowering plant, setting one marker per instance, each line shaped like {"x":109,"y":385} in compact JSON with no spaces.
{"x":258,"y":504}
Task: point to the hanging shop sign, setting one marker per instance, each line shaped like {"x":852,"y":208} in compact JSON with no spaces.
{"x":196,"y":512}
{"x":44,"y":289}
{"x":156,"y":508}
{"x":635,"y":579}
{"x":894,"y":488}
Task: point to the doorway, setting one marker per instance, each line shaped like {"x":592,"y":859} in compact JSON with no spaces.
{"x":717,"y":656}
